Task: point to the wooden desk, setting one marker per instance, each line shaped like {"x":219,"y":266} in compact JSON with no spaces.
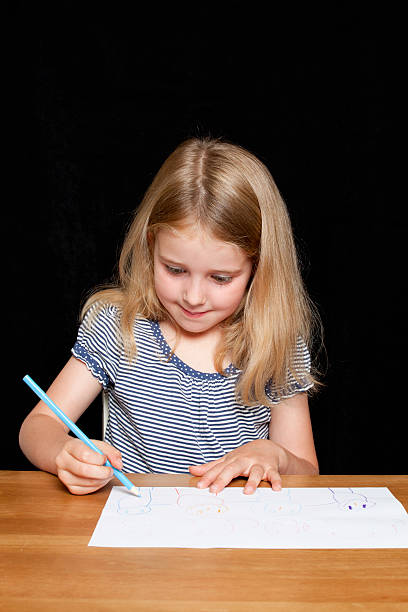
{"x":46,"y":563}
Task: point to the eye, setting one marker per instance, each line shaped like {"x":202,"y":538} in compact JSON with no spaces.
{"x":174,"y":270}
{"x":222,"y":280}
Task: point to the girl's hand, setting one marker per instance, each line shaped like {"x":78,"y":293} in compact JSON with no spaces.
{"x":82,"y":469}
{"x":258,"y":460}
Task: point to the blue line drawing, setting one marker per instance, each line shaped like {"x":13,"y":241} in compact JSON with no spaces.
{"x":143,"y":504}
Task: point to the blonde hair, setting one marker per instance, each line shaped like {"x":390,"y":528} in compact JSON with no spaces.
{"x":229,"y":192}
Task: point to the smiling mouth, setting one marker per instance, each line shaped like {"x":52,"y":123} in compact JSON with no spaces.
{"x":194,"y":315}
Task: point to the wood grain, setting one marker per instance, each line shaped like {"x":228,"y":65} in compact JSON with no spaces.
{"x":46,"y":564}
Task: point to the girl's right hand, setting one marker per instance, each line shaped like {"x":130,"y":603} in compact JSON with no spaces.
{"x":82,"y":469}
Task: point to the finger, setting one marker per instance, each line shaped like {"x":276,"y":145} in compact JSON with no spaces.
{"x":71,"y":480}
{"x":227,"y":473}
{"x":113,"y":455}
{"x":80,"y":469}
{"x":83,"y":487}
{"x":255,"y":476}
{"x":81,"y":452}
{"x":199,"y":470}
{"x":210,"y":475}
{"x":83,"y":490}
{"x":275,"y":479}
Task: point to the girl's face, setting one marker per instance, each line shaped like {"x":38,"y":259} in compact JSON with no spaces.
{"x":199,"y":280}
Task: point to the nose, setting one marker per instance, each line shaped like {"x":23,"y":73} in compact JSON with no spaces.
{"x":194,"y":294}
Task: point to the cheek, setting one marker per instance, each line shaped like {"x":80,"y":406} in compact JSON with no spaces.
{"x":165,"y":289}
{"x":230,"y":300}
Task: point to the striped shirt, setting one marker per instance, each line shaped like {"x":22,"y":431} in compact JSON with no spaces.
{"x":163,"y":415}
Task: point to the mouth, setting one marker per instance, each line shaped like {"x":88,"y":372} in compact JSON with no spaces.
{"x":193,"y":315}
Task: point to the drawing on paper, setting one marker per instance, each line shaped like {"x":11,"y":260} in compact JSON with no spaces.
{"x":291,"y":518}
{"x":283,"y":506}
{"x":126,"y":505}
{"x":351,"y":501}
{"x":196,"y":506}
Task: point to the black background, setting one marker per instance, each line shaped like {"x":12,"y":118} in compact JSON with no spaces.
{"x":97,"y":99}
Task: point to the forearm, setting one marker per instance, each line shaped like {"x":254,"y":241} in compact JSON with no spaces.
{"x":296,"y":465}
{"x":41,"y":439}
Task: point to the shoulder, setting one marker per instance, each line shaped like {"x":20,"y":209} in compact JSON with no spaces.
{"x":103,"y":324}
{"x":100,"y":315}
{"x":143,"y":331}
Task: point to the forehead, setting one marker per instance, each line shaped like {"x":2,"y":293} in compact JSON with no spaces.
{"x":182,"y":243}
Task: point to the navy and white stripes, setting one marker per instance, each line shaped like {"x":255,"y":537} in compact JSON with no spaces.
{"x":163,"y":415}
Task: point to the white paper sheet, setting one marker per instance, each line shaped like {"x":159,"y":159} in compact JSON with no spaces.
{"x":186,"y":517}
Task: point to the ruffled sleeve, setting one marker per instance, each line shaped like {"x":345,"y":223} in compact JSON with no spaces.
{"x":298,"y":380}
{"x":99,"y":343}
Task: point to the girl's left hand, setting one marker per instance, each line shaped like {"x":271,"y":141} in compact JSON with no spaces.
{"x":257,"y":460}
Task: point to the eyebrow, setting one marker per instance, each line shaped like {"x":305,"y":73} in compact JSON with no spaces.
{"x":176,"y":264}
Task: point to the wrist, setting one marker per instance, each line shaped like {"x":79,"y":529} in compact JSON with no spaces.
{"x":285,"y":459}
{"x":289,"y":463}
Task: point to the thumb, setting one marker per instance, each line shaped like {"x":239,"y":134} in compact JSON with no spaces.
{"x":112,"y":454}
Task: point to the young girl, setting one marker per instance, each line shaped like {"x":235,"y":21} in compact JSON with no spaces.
{"x":202,"y":345}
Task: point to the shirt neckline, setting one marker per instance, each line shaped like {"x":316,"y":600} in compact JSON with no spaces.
{"x":155,"y":326}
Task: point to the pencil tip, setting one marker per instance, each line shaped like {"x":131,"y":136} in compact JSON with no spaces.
{"x":135,"y":491}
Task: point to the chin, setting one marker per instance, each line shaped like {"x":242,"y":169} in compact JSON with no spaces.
{"x":194,"y":328}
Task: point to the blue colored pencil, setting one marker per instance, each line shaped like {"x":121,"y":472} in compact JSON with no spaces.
{"x":79,"y":434}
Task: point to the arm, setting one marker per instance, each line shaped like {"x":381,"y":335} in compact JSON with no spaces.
{"x":289,"y":450}
{"x":45,"y":441}
{"x":291,"y":429}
